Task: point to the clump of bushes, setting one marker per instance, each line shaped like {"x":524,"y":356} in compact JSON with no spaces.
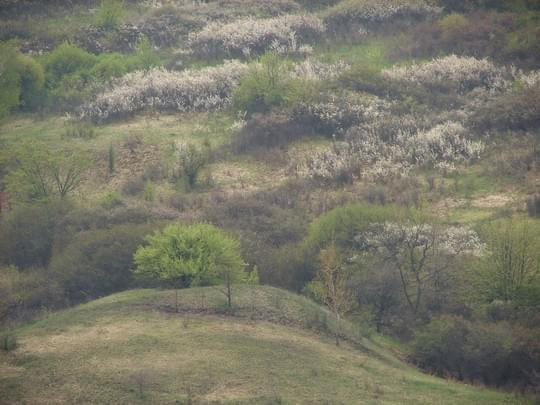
{"x":516,"y":109}
{"x":491,"y":353}
{"x":371,"y":13}
{"x":21,"y":82}
{"x":276,"y":82}
{"x":338,"y":113}
{"x":252,"y":36}
{"x":371,"y":153}
{"x":110,"y":13}
{"x":164,"y":90}
{"x":461,"y":74}
{"x":502,"y":36}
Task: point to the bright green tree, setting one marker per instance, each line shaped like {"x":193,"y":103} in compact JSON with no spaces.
{"x":184,"y":256}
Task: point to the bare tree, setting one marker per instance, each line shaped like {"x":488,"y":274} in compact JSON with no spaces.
{"x":420,"y":252}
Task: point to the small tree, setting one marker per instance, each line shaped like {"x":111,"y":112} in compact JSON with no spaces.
{"x":110,"y":14}
{"x":37,"y":172}
{"x":513,"y":261}
{"x":190,"y":161}
{"x":184,"y":256}
{"x":419,"y":251}
{"x":331,"y":285}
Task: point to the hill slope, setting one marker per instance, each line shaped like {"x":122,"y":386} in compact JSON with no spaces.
{"x":131,"y":348}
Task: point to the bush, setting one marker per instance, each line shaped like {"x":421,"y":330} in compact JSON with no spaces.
{"x":163,"y":90}
{"x":27,"y":234}
{"x":275,"y":82}
{"x":98,"y":262}
{"x":371,"y":153}
{"x":264,"y":131}
{"x":491,"y":353}
{"x":8,"y":341}
{"x":110,"y":13}
{"x":517,"y":109}
{"x":371,"y":13}
{"x":251,"y":36}
{"x":21,"y":82}
{"x":460,"y":74}
{"x":505,"y":37}
{"x":64,"y":60}
{"x":533,"y":205}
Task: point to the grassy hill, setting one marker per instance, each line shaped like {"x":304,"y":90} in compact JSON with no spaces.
{"x":274,"y":348}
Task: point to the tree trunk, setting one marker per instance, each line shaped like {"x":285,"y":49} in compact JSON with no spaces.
{"x":337,"y":328}
{"x":229,"y":295}
{"x":176,"y":300}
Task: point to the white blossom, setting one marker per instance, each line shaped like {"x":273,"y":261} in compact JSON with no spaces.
{"x":452,"y":240}
{"x":161,"y":89}
{"x":249,"y":36}
{"x":376,"y":11}
{"x":460,"y":73}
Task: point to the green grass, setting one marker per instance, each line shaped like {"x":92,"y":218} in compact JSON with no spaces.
{"x":127,"y":348}
{"x":373,"y":53}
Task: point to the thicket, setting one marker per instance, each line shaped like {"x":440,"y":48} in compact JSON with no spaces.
{"x":64,"y":78}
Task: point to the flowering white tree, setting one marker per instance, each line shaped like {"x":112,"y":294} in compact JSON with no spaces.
{"x":419,"y":251}
{"x":250,"y":36}
{"x":460,"y":73}
{"x":164,"y":90}
{"x":376,"y":11}
{"x":375,"y":154}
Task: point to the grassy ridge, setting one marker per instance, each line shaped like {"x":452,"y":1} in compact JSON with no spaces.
{"x":129,"y":348}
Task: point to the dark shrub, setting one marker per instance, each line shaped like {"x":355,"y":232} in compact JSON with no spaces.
{"x":517,"y":110}
{"x":491,"y":353}
{"x":533,"y":205}
{"x":267,"y":131}
{"x":98,"y":262}
{"x":27,"y":233}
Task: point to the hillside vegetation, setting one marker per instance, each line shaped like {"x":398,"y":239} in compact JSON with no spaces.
{"x":128,"y":348}
{"x":379,"y":158}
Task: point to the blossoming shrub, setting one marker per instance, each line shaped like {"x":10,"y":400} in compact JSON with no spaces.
{"x":461,"y":74}
{"x":163,"y":90}
{"x":337,"y":114}
{"x":372,"y":153}
{"x":251,"y":36}
{"x":371,"y":13}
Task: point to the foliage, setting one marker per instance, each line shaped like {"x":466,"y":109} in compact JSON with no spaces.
{"x":476,"y":351}
{"x":274,"y":81}
{"x":516,"y":109}
{"x":371,"y":152}
{"x":190,"y":161}
{"x":248,"y":37}
{"x":419,"y":251}
{"x":461,"y":74}
{"x":110,"y":13}
{"x":27,"y":233}
{"x":513,"y":262}
{"x":40,"y":173}
{"x":372,"y":13}
{"x":183,"y":256}
{"x":21,"y":80}
{"x":97,"y":262}
{"x":331,"y":285}
{"x":160,"y":89}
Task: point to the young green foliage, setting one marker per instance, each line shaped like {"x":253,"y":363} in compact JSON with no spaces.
{"x":184,"y":256}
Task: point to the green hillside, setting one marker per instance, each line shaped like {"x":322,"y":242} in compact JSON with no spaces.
{"x":129,"y":348}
